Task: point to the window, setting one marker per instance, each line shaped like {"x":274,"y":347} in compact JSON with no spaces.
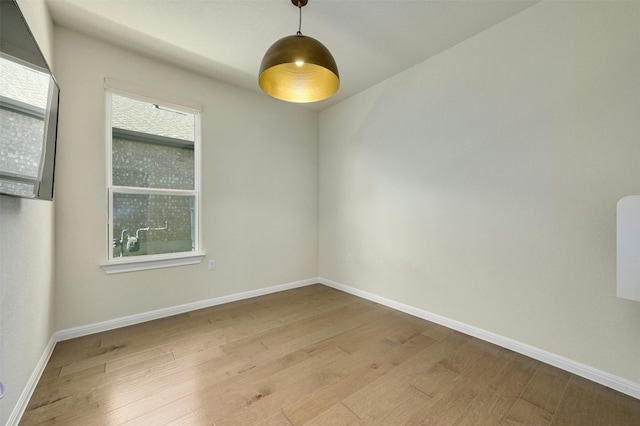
{"x":24,"y":99}
{"x":153,"y":181}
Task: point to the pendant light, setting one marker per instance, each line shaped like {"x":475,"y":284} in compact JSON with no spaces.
{"x":298,"y":68}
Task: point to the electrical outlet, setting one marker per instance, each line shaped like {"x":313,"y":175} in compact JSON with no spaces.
{"x":212,"y":265}
{"x":349,"y":257}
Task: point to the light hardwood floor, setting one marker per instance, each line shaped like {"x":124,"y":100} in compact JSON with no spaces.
{"x":314,"y":356}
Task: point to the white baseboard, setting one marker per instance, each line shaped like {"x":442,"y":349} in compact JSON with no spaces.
{"x":85,"y":330}
{"x":23,"y":401}
{"x":614,"y":382}
{"x":606,"y":379}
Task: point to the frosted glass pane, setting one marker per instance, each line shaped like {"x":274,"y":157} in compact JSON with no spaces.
{"x":152,"y":224}
{"x":152,"y":146}
{"x":148,"y":165}
{"x":145,"y":117}
{"x":17,"y":188}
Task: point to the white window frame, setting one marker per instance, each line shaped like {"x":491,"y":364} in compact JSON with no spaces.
{"x":116,"y":265}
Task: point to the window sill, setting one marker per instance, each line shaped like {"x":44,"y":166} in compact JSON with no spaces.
{"x":133,"y":265}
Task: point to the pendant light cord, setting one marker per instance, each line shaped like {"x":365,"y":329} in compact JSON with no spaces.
{"x":299,"y":19}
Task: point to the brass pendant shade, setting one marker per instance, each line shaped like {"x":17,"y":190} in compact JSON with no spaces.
{"x":299,"y":69}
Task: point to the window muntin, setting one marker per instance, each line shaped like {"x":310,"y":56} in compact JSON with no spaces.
{"x":153,"y":179}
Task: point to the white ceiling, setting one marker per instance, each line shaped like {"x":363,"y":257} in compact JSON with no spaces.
{"x":226,"y":39}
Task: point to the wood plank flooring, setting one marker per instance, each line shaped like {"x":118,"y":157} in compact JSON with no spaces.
{"x":313,"y":356}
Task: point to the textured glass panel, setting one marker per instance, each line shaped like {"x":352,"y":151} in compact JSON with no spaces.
{"x":153,"y":146}
{"x":20,"y":143}
{"x":152,"y":224}
{"x":23,"y":99}
{"x":149,"y":165}
{"x":145,"y":117}
{"x":20,"y":189}
{"x":23,"y":84}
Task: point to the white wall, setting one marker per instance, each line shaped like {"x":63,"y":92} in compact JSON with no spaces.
{"x":260,"y":188}
{"x":26,"y":265}
{"x":481,"y":185}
